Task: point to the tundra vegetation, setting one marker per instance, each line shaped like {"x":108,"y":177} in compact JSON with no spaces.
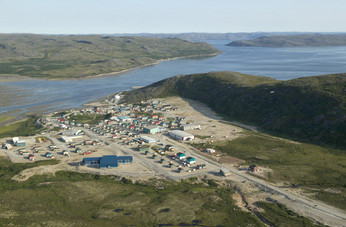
{"x":70,"y":198}
{"x":308,"y":110}
{"x":79,"y":56}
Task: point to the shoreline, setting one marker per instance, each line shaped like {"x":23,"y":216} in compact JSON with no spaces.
{"x":15,"y":77}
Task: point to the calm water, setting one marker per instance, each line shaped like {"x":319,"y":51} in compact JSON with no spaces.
{"x":279,"y":63}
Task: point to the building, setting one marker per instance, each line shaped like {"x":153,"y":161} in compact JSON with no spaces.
{"x":31,"y":157}
{"x":143,"y":148}
{"x":21,"y":143}
{"x":147,"y":139}
{"x":225,"y":172}
{"x":180,"y":155}
{"x":18,"y":143}
{"x":185,"y":127}
{"x":152,"y":129}
{"x":191,"y":160}
{"x":6,"y":146}
{"x":107,"y":161}
{"x":69,"y":139}
{"x":209,"y":150}
{"x":180,"y":135}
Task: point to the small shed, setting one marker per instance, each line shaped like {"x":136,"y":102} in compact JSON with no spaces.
{"x":209,"y":150}
{"x":225,"y":172}
{"x":31,"y":157}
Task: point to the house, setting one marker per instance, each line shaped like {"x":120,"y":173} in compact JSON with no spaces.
{"x":180,"y":155}
{"x":209,"y":150}
{"x":31,"y":157}
{"x":151,"y":129}
{"x":191,"y":160}
{"x":253,"y":168}
{"x":107,"y":161}
{"x":225,"y":172}
{"x":181,"y":135}
{"x":147,"y":139}
{"x":143,"y":148}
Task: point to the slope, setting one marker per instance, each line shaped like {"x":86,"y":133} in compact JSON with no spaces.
{"x":309,"y":109}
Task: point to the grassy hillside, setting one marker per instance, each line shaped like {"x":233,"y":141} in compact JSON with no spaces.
{"x":58,"y":56}
{"x":293,"y":41}
{"x":76,"y":199}
{"x":319,"y":170}
{"x":308,"y":109}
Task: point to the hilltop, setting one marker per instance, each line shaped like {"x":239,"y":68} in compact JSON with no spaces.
{"x":308,"y":40}
{"x":201,"y":36}
{"x":79,"y":56}
{"x":308,"y":109}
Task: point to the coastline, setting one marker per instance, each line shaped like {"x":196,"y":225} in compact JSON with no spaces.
{"x":14,"y":77}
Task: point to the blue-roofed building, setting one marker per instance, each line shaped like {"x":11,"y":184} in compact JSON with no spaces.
{"x":91,"y":161}
{"x":107,"y":161}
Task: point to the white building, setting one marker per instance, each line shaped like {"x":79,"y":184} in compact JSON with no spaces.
{"x":209,"y":150}
{"x":190,"y":127}
{"x":180,"y":135}
{"x":69,"y":139}
{"x":147,"y":139}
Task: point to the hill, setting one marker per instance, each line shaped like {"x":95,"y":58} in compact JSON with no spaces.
{"x":305,"y":40}
{"x":78,"y":56}
{"x":308,"y":109}
{"x":201,"y":36}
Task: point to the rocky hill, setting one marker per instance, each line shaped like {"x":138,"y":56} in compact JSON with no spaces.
{"x":305,"y":40}
{"x":308,"y":109}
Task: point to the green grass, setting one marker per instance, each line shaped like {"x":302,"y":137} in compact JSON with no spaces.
{"x":20,"y":128}
{"x":278,"y":215}
{"x":6,"y":118}
{"x":310,"y":109}
{"x":76,"y":199}
{"x":78,"y":56}
{"x":88,"y":118}
{"x":303,"y":164}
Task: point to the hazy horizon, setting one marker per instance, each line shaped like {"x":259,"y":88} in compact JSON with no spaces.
{"x":178,"y":16}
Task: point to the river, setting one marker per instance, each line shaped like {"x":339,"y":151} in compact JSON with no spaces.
{"x":279,"y":63}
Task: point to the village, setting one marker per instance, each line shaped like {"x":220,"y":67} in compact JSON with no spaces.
{"x":151,"y":138}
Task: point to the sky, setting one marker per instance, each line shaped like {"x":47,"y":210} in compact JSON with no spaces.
{"x":170,"y":16}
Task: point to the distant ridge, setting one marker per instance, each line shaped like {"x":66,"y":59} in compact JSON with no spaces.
{"x":308,"y":109}
{"x":305,"y":40}
{"x":80,"y":56}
